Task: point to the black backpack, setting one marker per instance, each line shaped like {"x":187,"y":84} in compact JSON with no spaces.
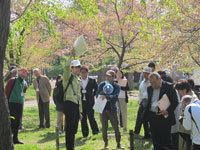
{"x":59,"y":92}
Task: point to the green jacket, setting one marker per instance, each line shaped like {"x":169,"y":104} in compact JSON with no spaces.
{"x":70,"y":95}
{"x":17,"y":93}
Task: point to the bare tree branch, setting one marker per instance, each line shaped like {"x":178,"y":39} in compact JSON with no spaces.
{"x":22,"y":12}
{"x":196,"y":61}
{"x":131,"y":40}
{"x":134,"y":64}
{"x":103,"y":53}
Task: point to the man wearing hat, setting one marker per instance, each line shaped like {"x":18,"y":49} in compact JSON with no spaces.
{"x":143,"y":96}
{"x":15,"y":92}
{"x":110,"y":110}
{"x":72,"y":100}
{"x":13,"y":72}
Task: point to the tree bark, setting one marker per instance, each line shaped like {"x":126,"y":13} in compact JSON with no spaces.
{"x":5,"y":131}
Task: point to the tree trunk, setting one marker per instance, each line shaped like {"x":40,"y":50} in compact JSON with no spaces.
{"x":5,"y":131}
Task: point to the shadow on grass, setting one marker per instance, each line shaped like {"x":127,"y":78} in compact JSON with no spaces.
{"x":26,"y":130}
{"x":50,"y":136}
{"x":78,"y":142}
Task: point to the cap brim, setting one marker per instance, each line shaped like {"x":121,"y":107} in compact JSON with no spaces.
{"x":76,"y":65}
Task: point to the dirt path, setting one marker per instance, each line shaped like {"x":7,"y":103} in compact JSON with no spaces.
{"x":32,"y":103}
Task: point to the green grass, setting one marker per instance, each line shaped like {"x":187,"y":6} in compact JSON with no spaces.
{"x":45,"y":139}
{"x":30,"y":93}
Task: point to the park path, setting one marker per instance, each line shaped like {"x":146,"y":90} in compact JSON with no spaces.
{"x":33,"y":103}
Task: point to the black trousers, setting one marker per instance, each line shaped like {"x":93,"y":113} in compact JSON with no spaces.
{"x":160,"y":131}
{"x":71,"y":111}
{"x":88,"y":112}
{"x":196,"y":147}
{"x":139,"y":123}
{"x":44,"y":113}
{"x":174,"y":141}
{"x":16,"y":112}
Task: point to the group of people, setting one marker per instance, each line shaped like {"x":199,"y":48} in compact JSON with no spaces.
{"x":15,"y":93}
{"x":173,"y":128}
{"x":79,"y":99}
{"x":177,"y":126}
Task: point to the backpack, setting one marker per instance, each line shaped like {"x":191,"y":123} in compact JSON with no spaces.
{"x":59,"y":92}
{"x":13,"y":84}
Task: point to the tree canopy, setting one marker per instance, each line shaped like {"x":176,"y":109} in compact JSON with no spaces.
{"x":128,"y":33}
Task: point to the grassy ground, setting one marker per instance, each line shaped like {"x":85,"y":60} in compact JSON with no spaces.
{"x":45,"y":139}
{"x":30,"y":93}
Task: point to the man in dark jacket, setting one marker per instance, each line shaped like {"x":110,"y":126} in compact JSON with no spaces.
{"x":161,"y":120}
{"x":110,"y":110}
{"x":88,"y":91}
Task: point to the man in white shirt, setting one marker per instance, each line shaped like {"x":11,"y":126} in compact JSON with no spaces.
{"x":143,"y":96}
{"x":191,"y":119}
{"x":88,"y":91}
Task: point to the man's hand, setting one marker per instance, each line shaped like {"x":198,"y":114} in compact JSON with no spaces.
{"x":81,"y":116}
{"x":103,"y":97}
{"x":163,"y":112}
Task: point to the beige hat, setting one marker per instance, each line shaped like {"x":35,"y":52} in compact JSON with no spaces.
{"x":147,"y":70}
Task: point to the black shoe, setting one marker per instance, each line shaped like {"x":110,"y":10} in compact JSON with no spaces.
{"x":94,"y":133}
{"x":119,"y":146}
{"x":146,"y":137}
{"x":16,"y":141}
{"x":85,"y":136}
{"x":41,"y":126}
{"x":136,"y":133}
{"x":106,"y":146}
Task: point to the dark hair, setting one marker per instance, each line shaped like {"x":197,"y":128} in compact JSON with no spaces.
{"x":57,"y":78}
{"x":191,"y":82}
{"x":84,"y":68}
{"x":122,"y":73}
{"x":152,"y":64}
{"x":183,"y":84}
{"x":161,"y":72}
{"x":167,"y":78}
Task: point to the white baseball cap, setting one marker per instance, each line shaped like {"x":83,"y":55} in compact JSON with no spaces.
{"x":147,"y":70}
{"x":75,"y":63}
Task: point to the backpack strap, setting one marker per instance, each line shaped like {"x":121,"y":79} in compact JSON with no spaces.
{"x":190,"y":111}
{"x":69,"y":82}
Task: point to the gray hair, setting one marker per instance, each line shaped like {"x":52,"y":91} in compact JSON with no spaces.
{"x":36,"y":69}
{"x":154,"y":74}
{"x":186,"y":99}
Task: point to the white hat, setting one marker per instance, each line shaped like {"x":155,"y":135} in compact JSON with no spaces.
{"x":75,"y":63}
{"x":147,"y":70}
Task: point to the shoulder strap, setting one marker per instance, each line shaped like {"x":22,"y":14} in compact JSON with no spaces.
{"x":69,"y":82}
{"x":190,"y":111}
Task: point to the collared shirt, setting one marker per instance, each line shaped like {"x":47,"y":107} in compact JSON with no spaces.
{"x":154,"y":100}
{"x":143,"y":90}
{"x":84,"y":82}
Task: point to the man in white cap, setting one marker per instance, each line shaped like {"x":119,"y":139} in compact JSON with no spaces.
{"x":143,"y":96}
{"x":72,"y":100}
